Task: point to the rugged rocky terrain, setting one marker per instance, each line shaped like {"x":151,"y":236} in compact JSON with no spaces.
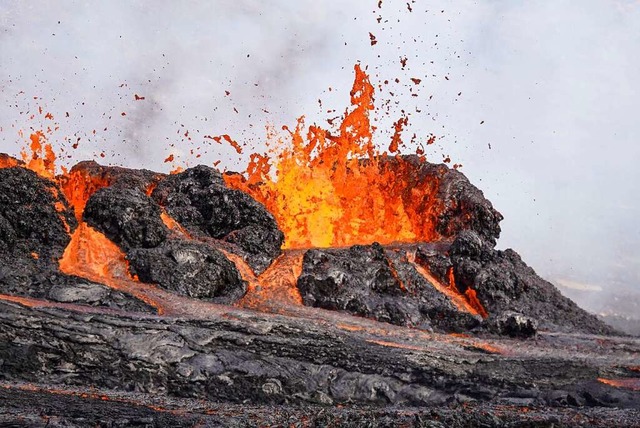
{"x":134,"y":298}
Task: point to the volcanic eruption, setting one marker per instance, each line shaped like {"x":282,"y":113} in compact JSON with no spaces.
{"x":328,"y":274}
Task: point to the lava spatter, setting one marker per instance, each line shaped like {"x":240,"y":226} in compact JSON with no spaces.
{"x":337,"y":189}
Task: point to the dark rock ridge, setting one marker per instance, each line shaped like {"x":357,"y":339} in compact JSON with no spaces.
{"x":453,"y":204}
{"x":132,"y":220}
{"x":200,"y":201}
{"x":503,"y":282}
{"x":378,"y":283}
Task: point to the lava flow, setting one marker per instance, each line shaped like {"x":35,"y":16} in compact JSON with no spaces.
{"x":92,"y":256}
{"x":629,"y":383}
{"x":467,"y":302}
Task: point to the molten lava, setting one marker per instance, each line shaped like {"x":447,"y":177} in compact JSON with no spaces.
{"x":333,"y":190}
{"x":8,"y":162}
{"x":42,"y":158}
{"x":325,"y":188}
{"x":467,"y":302}
{"x":93,"y":256}
{"x":628,"y":383}
{"x":277,"y":284}
{"x":78,"y":186}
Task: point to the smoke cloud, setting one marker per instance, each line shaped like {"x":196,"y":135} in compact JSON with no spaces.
{"x":538,"y":100}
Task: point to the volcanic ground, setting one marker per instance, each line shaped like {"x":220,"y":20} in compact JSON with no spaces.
{"x":131,"y":297}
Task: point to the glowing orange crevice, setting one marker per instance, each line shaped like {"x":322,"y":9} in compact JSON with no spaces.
{"x":93,"y":256}
{"x":78,"y":186}
{"x":629,"y":383}
{"x":174,"y":225}
{"x":470,"y":294}
{"x":458,"y":299}
{"x":275,"y":286}
{"x":396,"y":345}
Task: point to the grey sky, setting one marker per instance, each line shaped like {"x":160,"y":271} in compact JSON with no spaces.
{"x":555,"y":82}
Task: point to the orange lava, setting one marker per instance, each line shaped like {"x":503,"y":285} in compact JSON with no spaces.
{"x":629,"y":383}
{"x":326,"y":188}
{"x":487,"y":347}
{"x":348,"y":327}
{"x":27,"y":301}
{"x":93,"y":256}
{"x":470,"y":294}
{"x":8,"y":161}
{"x":42,"y":158}
{"x":278,"y":282}
{"x":78,"y":186}
{"x":459,"y":300}
{"x":88,"y":395}
{"x":334,"y":190}
{"x":275,"y":286}
{"x":229,"y":140}
{"x":174,"y":225}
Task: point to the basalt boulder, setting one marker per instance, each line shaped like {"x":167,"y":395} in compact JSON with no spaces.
{"x":132,"y":220}
{"x":200,"y":201}
{"x":189,"y":268}
{"x":377,"y":283}
{"x":128,"y":217}
{"x":503,"y":283}
{"x":35,"y":218}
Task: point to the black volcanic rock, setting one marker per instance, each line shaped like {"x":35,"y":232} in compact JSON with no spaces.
{"x":503,"y":282}
{"x":376,"y":283}
{"x":34,"y":216}
{"x":359,"y":280}
{"x":200,"y":201}
{"x":516,"y":325}
{"x":266,"y":363}
{"x":132,"y":220}
{"x":81,"y":354}
{"x":127,"y":217}
{"x":189,"y":268}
